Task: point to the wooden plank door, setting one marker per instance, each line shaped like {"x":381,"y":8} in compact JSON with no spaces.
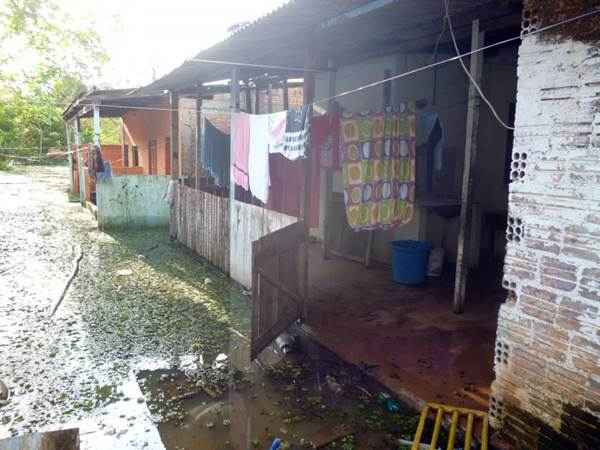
{"x":278,"y":284}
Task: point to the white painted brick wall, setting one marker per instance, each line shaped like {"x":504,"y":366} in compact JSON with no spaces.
{"x":548,"y":341}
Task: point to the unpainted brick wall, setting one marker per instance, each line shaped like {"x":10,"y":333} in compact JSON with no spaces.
{"x":547,"y":362}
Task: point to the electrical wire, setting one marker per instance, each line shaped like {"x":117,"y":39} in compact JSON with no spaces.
{"x":454,"y":58}
{"x":458,"y":57}
{"x":468,"y":72}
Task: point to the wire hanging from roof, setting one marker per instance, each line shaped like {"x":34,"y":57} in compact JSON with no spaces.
{"x":468,"y":72}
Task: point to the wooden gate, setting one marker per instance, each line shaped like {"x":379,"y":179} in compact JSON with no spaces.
{"x":279,"y":284}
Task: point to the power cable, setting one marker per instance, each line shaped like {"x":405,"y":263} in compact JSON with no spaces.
{"x":434,"y":64}
{"x":468,"y":72}
{"x":454,"y":58}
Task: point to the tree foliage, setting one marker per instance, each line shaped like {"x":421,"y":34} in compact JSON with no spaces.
{"x":45,"y":59}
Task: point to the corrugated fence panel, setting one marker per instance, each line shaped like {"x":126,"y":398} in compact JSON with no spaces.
{"x":202,"y":223}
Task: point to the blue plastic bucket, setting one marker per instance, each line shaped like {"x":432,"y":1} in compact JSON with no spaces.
{"x":409,"y":261}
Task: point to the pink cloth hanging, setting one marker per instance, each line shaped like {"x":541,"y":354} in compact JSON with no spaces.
{"x":240,"y":144}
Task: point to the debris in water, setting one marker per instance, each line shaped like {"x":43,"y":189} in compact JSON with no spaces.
{"x":333,"y":385}
{"x":285,"y":343}
{"x":276,"y":445}
{"x":69,"y":280}
{"x":124,"y":272}
{"x":4,"y":393}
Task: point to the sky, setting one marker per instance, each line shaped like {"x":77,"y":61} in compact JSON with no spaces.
{"x":146,"y":39}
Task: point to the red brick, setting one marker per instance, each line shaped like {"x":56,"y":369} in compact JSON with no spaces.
{"x":550,"y":332}
{"x":587,"y":363}
{"x":590,"y":294}
{"x":540,"y":293}
{"x":577,"y":305}
{"x":538,"y":313}
{"x":558,"y":264}
{"x":543,"y":246}
{"x":557,"y":283}
{"x":586,"y":344}
{"x":582,"y":253}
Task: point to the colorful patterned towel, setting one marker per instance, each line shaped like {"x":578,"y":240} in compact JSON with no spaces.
{"x":378,"y":168}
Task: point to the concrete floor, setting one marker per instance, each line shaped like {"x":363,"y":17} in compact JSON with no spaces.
{"x":406,"y":337}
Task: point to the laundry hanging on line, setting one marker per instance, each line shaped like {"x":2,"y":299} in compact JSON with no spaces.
{"x":255,"y":136}
{"x":431,"y":139}
{"x":215,"y":153}
{"x":297,"y":132}
{"x":378,"y":168}
{"x":325,"y":135}
{"x":240,"y":143}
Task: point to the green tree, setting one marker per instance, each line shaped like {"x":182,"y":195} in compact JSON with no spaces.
{"x":45,"y":58}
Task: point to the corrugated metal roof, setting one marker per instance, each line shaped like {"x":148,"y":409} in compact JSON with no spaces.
{"x":122,"y":97}
{"x":340,"y":28}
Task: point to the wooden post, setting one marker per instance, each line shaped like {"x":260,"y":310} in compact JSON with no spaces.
{"x":308,"y":92}
{"x":174,"y":107}
{"x":234,"y":97}
{"x":79,"y":161}
{"x":248,"y":96}
{"x":198,"y":156}
{"x":269,"y":97}
{"x":331,"y":108}
{"x":466,"y":210}
{"x":286,"y":94}
{"x":96,"y":125}
{"x":69,"y":155}
{"x":256,"y":98}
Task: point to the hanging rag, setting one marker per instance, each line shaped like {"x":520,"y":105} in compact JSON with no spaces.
{"x":215,"y":153}
{"x":297,"y":132}
{"x":277,"y":127}
{"x":378,"y":168}
{"x":258,"y":156}
{"x":287,"y":185}
{"x":240,"y":142}
{"x":106,"y":173}
{"x":325,"y":134}
{"x":431,"y":133}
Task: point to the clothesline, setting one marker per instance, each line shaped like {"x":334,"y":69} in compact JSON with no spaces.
{"x":397,"y":76}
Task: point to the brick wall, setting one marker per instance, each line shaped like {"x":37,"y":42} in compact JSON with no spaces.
{"x":546,"y":392}
{"x":141,"y":126}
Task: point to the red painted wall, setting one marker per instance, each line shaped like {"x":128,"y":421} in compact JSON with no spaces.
{"x":142,"y":126}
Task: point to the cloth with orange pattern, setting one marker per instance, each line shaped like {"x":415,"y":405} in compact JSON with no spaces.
{"x":378,"y":168}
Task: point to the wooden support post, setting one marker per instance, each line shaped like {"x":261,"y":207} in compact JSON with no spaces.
{"x":69,"y":155}
{"x":248,"y":96}
{"x":269,"y":97}
{"x":308,"y":97}
{"x":256,"y":98}
{"x":234,"y":97}
{"x":199,"y":175}
{"x":174,"y":106}
{"x":96,"y":125}
{"x":80,"y":161}
{"x":466,"y":210}
{"x":331,"y":108}
{"x":286,"y":94}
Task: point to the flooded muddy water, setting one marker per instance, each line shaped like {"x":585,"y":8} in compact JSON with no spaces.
{"x":149,"y":349}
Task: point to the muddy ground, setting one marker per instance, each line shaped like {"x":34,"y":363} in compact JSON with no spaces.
{"x":149,"y":347}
